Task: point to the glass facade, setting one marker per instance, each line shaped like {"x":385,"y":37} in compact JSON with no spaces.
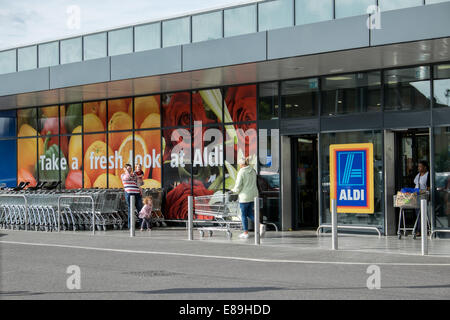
{"x":120,"y":41}
{"x":207,"y":26}
{"x":300,"y":98}
{"x":351,"y":93}
{"x":313,"y":11}
{"x":27,"y":58}
{"x":407,"y":89}
{"x":441,"y":86}
{"x":94,"y":46}
{"x":240,"y":20}
{"x":176,"y":32}
{"x":268,"y":101}
{"x":147,"y":37}
{"x":8,"y":61}
{"x":442,"y":177}
{"x":386,"y":5}
{"x":48,"y":54}
{"x":71,"y":50}
{"x":275,"y":14}
{"x":348,"y":8}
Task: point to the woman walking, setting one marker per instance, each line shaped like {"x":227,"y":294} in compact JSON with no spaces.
{"x":247,"y":189}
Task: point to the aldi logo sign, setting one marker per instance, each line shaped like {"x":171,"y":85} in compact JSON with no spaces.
{"x":351,"y":177}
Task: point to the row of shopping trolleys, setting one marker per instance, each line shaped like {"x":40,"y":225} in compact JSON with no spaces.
{"x":78,"y":210}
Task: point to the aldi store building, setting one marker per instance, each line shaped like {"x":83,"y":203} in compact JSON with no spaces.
{"x":278,"y":81}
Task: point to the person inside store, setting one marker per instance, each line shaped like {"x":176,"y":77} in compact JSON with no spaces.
{"x":130,"y":184}
{"x":421,"y":182}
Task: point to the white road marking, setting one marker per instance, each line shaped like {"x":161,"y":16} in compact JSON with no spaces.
{"x":227,"y":257}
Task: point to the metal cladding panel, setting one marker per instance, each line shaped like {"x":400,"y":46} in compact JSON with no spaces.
{"x":24,"y":81}
{"x":441,"y":117}
{"x":299,"y":126}
{"x":407,"y":119}
{"x":334,"y":35}
{"x":225,"y":52}
{"x":146,"y":63}
{"x":80,"y":73}
{"x":412,"y":24}
{"x":353,"y":122}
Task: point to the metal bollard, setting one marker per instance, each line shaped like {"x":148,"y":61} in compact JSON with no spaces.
{"x":334,"y":231}
{"x":190,"y":218}
{"x":132,"y":223}
{"x":424,"y":225}
{"x":256,"y":216}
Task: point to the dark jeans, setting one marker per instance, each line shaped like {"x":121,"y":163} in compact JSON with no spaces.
{"x":138,"y":203}
{"x":247,"y":211}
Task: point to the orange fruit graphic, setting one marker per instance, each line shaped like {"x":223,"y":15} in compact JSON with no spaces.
{"x":75,"y":151}
{"x":87,"y":181}
{"x":28,"y":148}
{"x":118,"y":105}
{"x":98,"y":108}
{"x":156,"y":174}
{"x":119,"y":121}
{"x":114,"y":181}
{"x":50,"y":112}
{"x":151,"y":184}
{"x":144,"y":106}
{"x":92,"y":164}
{"x":92,"y":123}
{"x":139,"y":152}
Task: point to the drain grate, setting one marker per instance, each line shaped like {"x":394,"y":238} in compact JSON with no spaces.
{"x":152,"y":273}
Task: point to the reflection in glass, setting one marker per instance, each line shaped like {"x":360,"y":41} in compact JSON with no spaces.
{"x":386,"y":5}
{"x":71,"y":50}
{"x":95,"y":46}
{"x":347,"y":8}
{"x":442,"y":176}
{"x":8,"y":164}
{"x":300,"y":98}
{"x":48,"y":54}
{"x":351,"y":93}
{"x":268,"y":101}
{"x":307,"y":11}
{"x":375,"y":137}
{"x":147,"y":37}
{"x":8,"y":61}
{"x":7,"y":123}
{"x":27,"y":58}
{"x":27,"y":122}
{"x":275,"y":14}
{"x":176,"y":32}
{"x":407,"y":89}
{"x":120,"y":41}
{"x":241,"y":20}
{"x":442,"y":86}
{"x":207,"y":26}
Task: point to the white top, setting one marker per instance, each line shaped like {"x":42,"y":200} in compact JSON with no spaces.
{"x":421,"y":181}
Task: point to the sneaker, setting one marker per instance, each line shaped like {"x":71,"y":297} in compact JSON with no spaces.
{"x":243,"y":236}
{"x":262,"y":230}
{"x":142,"y":230}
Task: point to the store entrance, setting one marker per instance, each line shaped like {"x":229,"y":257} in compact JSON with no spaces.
{"x":305,"y":182}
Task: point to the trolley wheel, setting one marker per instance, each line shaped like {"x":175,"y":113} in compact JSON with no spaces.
{"x":99,"y":228}
{"x":414,"y":236}
{"x":202,"y":233}
{"x":399,"y":236}
{"x":229,"y":235}
{"x":210,"y":233}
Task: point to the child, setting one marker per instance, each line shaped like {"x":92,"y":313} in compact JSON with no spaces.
{"x":146,"y":213}
{"x":140,"y":175}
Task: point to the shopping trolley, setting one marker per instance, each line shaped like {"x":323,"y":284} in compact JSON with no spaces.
{"x":414,"y":204}
{"x":223,"y":208}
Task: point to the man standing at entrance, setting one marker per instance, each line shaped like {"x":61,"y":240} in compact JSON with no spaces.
{"x":421,"y":182}
{"x":247,"y":189}
{"x":129,"y":181}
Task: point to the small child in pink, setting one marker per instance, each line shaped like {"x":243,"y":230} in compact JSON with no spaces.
{"x":146,"y":213}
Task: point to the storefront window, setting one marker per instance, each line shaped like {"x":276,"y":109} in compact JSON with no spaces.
{"x":241,"y":20}
{"x":8,"y":164}
{"x":27,"y":58}
{"x":240,"y":104}
{"x":375,"y":137}
{"x":386,"y":5}
{"x":95,"y":46}
{"x":48,"y":54}
{"x":176,"y":32}
{"x":407,"y":89}
{"x":442,"y":86}
{"x":147,"y":152}
{"x":300,"y":98}
{"x":275,"y":14}
{"x":147,"y":37}
{"x":49,"y":121}
{"x":268,"y":101}
{"x":176,"y":109}
{"x":7,"y":123}
{"x":351,"y":93}
{"x":442,"y":177}
{"x":94,"y":116}
{"x":74,"y":178}
{"x":207,"y":106}
{"x":307,"y":11}
{"x":29,"y":150}
{"x":96,"y":164}
{"x":207,"y":26}
{"x":147,"y":112}
{"x":347,"y":8}
{"x":27,"y":122}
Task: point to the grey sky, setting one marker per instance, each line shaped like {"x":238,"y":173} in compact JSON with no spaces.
{"x":29,"y":21}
